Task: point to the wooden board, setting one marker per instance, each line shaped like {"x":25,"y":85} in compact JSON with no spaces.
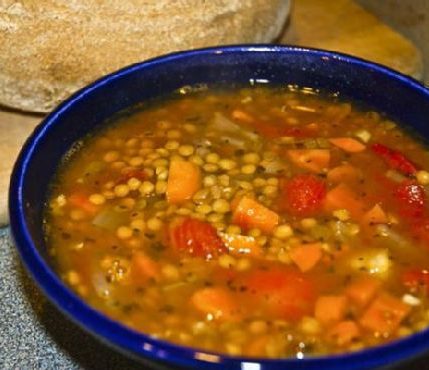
{"x":345,"y":26}
{"x":339,"y":25}
{"x":14,"y":129}
{"x":411,"y":18}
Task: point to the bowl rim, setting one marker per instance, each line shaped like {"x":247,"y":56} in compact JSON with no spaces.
{"x":141,"y":345}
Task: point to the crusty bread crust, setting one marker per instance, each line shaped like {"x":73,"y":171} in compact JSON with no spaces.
{"x":50,"y":48}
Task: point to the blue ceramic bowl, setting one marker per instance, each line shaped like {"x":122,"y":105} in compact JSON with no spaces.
{"x":402,"y":98}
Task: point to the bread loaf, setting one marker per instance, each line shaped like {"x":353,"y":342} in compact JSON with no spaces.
{"x":50,"y":48}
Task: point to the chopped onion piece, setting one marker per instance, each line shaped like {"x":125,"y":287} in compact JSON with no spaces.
{"x":222,"y":124}
{"x":411,"y":300}
{"x":303,"y":108}
{"x":386,"y":231}
{"x":364,"y":135}
{"x":374,"y":261}
{"x":239,"y":144}
{"x":101,"y":286}
{"x":272,"y":167}
{"x":395,"y":176}
{"x":109,"y":219}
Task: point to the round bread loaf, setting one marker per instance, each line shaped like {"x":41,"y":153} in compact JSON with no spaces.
{"x":50,"y":48}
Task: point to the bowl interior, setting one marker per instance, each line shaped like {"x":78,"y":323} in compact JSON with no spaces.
{"x":224,"y":67}
{"x":399,"y":97}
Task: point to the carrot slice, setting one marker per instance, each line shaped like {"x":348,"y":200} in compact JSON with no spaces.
{"x":184,"y":180}
{"x":314,"y":160}
{"x":306,"y":256}
{"x":348,"y":144}
{"x":81,"y":201}
{"x":241,"y":244}
{"x":375,"y":215}
{"x":249,"y":213}
{"x":384,"y":314}
{"x":216,"y":301}
{"x":344,"y":332}
{"x":342,"y":197}
{"x":330,"y":308}
{"x":344,"y":172}
{"x":143,"y":267}
{"x":242,"y":116}
{"x":362,"y":290}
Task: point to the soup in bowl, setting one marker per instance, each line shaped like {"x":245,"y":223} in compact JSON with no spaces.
{"x":239,"y":205}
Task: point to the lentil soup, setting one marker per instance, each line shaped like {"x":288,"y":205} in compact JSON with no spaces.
{"x":260,"y":222}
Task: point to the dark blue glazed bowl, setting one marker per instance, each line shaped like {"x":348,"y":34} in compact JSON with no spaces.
{"x":402,"y":98}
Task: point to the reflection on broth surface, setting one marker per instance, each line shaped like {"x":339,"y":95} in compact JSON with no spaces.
{"x":261,"y":222}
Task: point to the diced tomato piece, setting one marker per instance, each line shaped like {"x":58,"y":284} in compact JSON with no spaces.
{"x":285,"y":293}
{"x":416,"y":280}
{"x":394,"y":159}
{"x":411,"y":198}
{"x":197,"y":238}
{"x":420,"y":230}
{"x":303,"y":195}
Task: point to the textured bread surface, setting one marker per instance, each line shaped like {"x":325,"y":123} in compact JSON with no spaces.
{"x":50,"y":48}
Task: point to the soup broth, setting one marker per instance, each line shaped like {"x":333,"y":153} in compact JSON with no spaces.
{"x":260,"y":222}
